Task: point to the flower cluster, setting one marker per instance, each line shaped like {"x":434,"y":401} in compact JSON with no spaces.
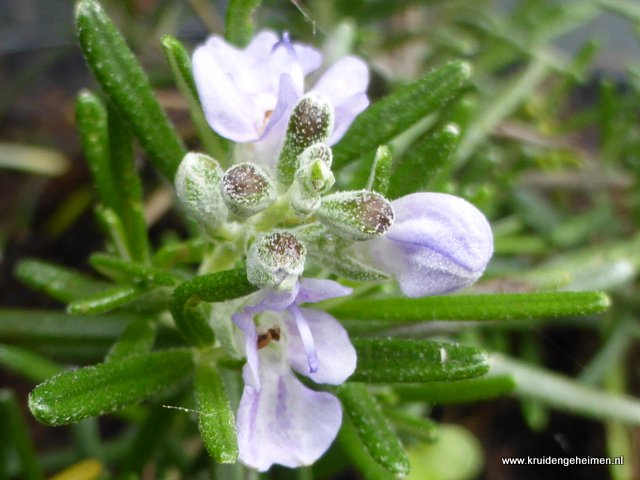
{"x":274,"y":210}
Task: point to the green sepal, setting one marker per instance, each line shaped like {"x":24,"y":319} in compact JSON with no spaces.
{"x":372,"y":428}
{"x":387,"y":360}
{"x":504,"y":306}
{"x":127,"y":86}
{"x":381,"y":171}
{"x":213,"y":287}
{"x":215,"y":418}
{"x":178,"y":59}
{"x":104,"y":388}
{"x":311,"y":122}
{"x":239,"y":24}
{"x":382,"y":121}
{"x":428,"y":155}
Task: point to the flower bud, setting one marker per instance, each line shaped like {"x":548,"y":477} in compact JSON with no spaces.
{"x":311,"y":122}
{"x":439,"y":243}
{"x":314,"y":172}
{"x":247,"y":189}
{"x":197,"y":184}
{"x":357,"y":215}
{"x":275,"y":260}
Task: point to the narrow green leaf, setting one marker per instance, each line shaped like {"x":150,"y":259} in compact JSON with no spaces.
{"x":372,"y":428}
{"x":93,"y":126}
{"x":58,"y":328}
{"x":180,"y":63}
{"x":421,"y":428}
{"x":129,"y":187}
{"x":15,"y":429}
{"x":63,"y":284}
{"x":104,"y":301}
{"x":415,"y":170}
{"x":352,"y":446}
{"x":137,"y":339}
{"x":216,"y":420}
{"x":122,"y":270}
{"x":27,"y":363}
{"x":386,"y":360}
{"x":380,"y":170}
{"x":127,"y":86}
{"x":239,"y":23}
{"x":460,"y":391}
{"x":100,"y":389}
{"x":505,"y":306}
{"x":213,"y":287}
{"x":397,"y":112}
{"x":115,"y":229}
{"x":566,"y":394}
{"x":175,"y":253}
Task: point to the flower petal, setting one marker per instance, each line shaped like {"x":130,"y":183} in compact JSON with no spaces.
{"x":228,"y":110}
{"x":314,"y":290}
{"x":268,"y":146}
{"x":439,"y":243}
{"x":345,"y":113}
{"x":273,"y":300}
{"x":285,"y":423}
{"x":304,"y":332}
{"x":336,"y":356}
{"x":345,"y":84}
{"x":245,"y":322}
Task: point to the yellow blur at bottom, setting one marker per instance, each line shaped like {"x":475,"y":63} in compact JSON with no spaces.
{"x":89,"y":469}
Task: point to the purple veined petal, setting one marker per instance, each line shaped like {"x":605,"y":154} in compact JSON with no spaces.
{"x":336,"y":356}
{"x":285,"y":423}
{"x":438,"y":243}
{"x":245,"y":322}
{"x":346,"y":113}
{"x":314,"y":290}
{"x":228,"y":110}
{"x":305,"y":335}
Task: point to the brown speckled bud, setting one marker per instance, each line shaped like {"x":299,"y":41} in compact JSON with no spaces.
{"x":356,"y":215}
{"x":275,"y":260}
{"x":247,"y":189}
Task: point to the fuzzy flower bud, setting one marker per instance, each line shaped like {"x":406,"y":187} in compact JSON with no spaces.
{"x":275,"y":260}
{"x":197,"y":183}
{"x":247,"y":189}
{"x":439,"y":243}
{"x":314,"y":171}
{"x":356,"y":215}
{"x":311,"y":122}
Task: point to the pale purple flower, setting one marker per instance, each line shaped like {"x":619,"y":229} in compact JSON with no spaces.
{"x":248,"y":94}
{"x":279,"y":419}
{"x":438,"y":243}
